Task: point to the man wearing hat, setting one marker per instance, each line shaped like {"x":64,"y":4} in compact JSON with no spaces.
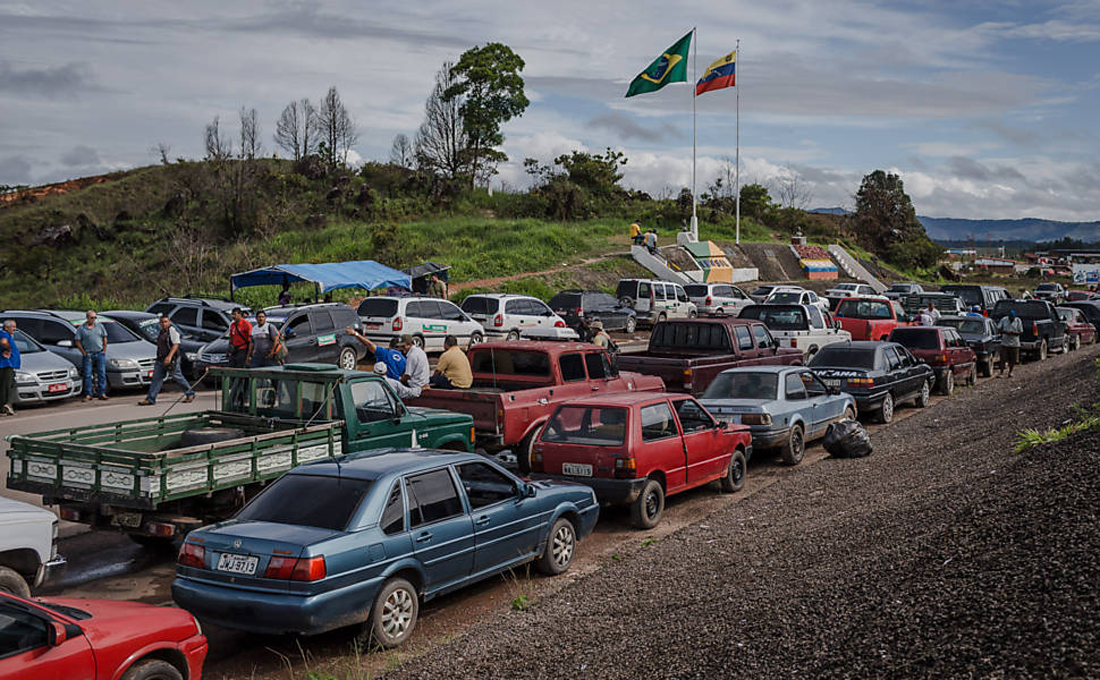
{"x":600,"y":337}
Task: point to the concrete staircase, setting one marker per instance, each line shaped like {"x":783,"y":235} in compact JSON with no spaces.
{"x":851,"y":266}
{"x":658,"y":266}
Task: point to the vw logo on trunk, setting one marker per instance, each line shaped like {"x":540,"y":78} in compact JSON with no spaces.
{"x":237,"y":543}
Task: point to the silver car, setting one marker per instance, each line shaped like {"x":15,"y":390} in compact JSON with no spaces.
{"x":42,"y":375}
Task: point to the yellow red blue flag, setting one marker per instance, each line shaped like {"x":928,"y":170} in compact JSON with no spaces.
{"x":718,"y":75}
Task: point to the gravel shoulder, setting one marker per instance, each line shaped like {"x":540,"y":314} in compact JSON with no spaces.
{"x":943,"y":554}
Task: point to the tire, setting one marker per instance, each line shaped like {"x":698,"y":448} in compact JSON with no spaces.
{"x":795,"y":448}
{"x":393,"y":614}
{"x":561,"y":547}
{"x":631,"y":324}
{"x":152,"y":669}
{"x":849,"y":413}
{"x":1075,"y":343}
{"x":947,"y":383}
{"x":477,"y":338}
{"x":627,"y":301}
{"x":646,"y":511}
{"x":886,"y":410}
{"x":662,"y":317}
{"x":924,"y":397}
{"x":523,"y":452}
{"x":418,"y":340}
{"x":1042,"y":351}
{"x":734,"y":480}
{"x":347,"y":359}
{"x":12,"y":582}
{"x":513,"y":335}
{"x":693,"y":314}
{"x":209,"y":435}
{"x":972,"y":377}
{"x":985,"y":368}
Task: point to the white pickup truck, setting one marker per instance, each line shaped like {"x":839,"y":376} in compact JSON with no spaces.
{"x":28,"y":547}
{"x":803,"y":327}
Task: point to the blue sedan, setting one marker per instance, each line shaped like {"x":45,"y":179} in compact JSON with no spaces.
{"x":362,"y":540}
{"x":784,"y":406}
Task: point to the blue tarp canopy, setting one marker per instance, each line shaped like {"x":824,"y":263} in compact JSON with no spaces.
{"x":328,"y":276}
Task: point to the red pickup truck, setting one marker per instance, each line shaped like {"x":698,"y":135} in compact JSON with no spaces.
{"x":637,"y":448}
{"x":870,"y":318}
{"x":688,"y":354}
{"x":517,"y":385}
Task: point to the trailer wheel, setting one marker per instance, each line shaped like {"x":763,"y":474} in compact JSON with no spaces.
{"x":12,"y":582}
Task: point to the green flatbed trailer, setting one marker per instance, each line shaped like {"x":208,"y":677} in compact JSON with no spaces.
{"x":149,"y":478}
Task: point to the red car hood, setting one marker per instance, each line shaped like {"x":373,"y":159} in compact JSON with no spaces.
{"x":129,"y":623}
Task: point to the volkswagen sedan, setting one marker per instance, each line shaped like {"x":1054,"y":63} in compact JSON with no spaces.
{"x":362,"y":541}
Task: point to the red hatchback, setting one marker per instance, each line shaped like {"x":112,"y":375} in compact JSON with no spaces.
{"x":870,"y":318}
{"x":637,"y":448}
{"x":97,"y":640}
{"x":944,"y":350}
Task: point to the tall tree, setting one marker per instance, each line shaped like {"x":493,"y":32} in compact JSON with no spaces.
{"x":887,"y":223}
{"x":251,"y":146}
{"x":792,"y":190}
{"x":335,"y":129}
{"x":441,"y":142}
{"x":218,"y":146}
{"x":401,"y":153}
{"x":292,"y":130}
{"x":488,"y":79}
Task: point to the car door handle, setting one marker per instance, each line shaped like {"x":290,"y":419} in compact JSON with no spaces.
{"x":595,"y":388}
{"x":481,"y":521}
{"x":423,"y":536}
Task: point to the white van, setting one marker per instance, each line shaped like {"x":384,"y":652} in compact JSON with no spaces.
{"x":428,"y":320}
{"x":508,"y":316}
{"x":717,"y":298}
{"x":654,"y":300}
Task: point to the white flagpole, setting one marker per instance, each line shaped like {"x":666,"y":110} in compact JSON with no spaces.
{"x":737,"y":172}
{"x":694,"y":79}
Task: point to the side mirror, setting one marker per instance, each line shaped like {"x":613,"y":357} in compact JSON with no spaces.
{"x":56,"y":634}
{"x":527,"y":491}
{"x":64,"y":343}
{"x":723,"y":425}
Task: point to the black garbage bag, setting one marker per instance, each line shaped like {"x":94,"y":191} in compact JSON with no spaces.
{"x":847,"y":439}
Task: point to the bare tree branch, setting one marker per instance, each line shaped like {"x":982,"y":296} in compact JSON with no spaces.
{"x":218,"y":146}
{"x":401,"y":153}
{"x":442,"y":145}
{"x":251,"y":146}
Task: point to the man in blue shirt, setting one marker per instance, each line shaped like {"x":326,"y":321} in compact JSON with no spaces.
{"x":9,"y":362}
{"x":91,"y":340}
{"x":392,"y":358}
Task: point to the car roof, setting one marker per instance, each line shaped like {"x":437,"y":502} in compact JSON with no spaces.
{"x":765,"y":369}
{"x":858,"y":344}
{"x":63,"y":314}
{"x":549,"y":346}
{"x":224,"y":305}
{"x":130,"y":314}
{"x":502,"y":296}
{"x":373,"y":465}
{"x":625,"y":398}
{"x":283,"y":310}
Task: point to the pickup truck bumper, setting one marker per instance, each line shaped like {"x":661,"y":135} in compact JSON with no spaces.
{"x":50,"y":571}
{"x":613,"y":491}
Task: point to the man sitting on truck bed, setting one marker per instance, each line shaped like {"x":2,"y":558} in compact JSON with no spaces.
{"x":452,"y":372}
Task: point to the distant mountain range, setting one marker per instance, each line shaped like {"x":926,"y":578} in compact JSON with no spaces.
{"x":1029,"y":229}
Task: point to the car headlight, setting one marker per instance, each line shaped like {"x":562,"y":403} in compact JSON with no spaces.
{"x":191,"y":356}
{"x":73,"y":373}
{"x":123,"y":363}
{"x":24,"y":377}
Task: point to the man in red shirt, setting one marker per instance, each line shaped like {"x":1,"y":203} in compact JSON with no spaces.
{"x":240,"y":340}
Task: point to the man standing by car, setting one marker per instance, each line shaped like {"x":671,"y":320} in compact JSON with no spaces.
{"x":1011,"y":329}
{"x":452,"y":372}
{"x":392,"y":358}
{"x":9,"y":364}
{"x":168,"y":354}
{"x":91,"y":340}
{"x":265,"y":337}
{"x":436,"y":288}
{"x":933,"y":313}
{"x":240,"y":340}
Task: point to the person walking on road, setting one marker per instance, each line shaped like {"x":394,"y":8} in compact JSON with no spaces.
{"x":91,"y":340}
{"x":393,"y":359}
{"x":452,"y":372}
{"x":436,"y":288}
{"x":265,"y":338}
{"x":240,"y":340}
{"x":9,"y":364}
{"x":1011,"y":329}
{"x":167,"y":364}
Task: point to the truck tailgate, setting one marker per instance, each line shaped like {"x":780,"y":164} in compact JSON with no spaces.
{"x":483,"y":406}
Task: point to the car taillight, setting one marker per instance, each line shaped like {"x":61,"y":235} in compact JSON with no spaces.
{"x":498,"y":320}
{"x":1035,"y":328}
{"x":756,"y":419}
{"x":192,"y":555}
{"x":708,"y":302}
{"x":559,"y":324}
{"x":941,"y":358}
{"x":398,"y":324}
{"x":626,"y":467}
{"x":536,"y":459}
{"x":861,"y":382}
{"x":688,"y":373}
{"x":578,"y":311}
{"x":296,"y":568}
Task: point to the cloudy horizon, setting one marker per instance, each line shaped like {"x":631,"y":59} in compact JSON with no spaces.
{"x":985,"y":110}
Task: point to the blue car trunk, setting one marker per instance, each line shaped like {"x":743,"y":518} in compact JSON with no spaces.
{"x":240,"y":552}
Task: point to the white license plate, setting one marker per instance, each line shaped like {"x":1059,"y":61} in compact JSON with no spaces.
{"x":831,"y":382}
{"x":238,"y":564}
{"x":57,"y":387}
{"x":576,"y":469}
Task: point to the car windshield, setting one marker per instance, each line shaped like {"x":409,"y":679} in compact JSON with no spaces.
{"x":864,"y":309}
{"x":777,"y":318}
{"x":26,"y":344}
{"x":916,"y":338}
{"x":1066,"y":315}
{"x":281,"y":503}
{"x":763,"y":290}
{"x":743,"y":385}
{"x":844,"y":357}
{"x":900,"y":288}
{"x":587,"y":425}
{"x":384,"y":307}
{"x":564,"y":301}
{"x":118,"y":334}
{"x":697,"y":291}
{"x":969,"y":296}
{"x":690,"y":335}
{"x":785,"y":297}
{"x":1047,"y":286}
{"x":968,"y":326}
{"x":477,"y":304}
{"x":511,"y":362}
{"x":150,"y":328}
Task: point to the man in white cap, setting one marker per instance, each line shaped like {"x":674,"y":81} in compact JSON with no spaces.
{"x":600,"y":337}
{"x":397,"y":386}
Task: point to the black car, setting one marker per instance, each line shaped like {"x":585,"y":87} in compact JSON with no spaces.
{"x":1044,"y":330}
{"x":205,"y":319}
{"x":312,"y":333}
{"x":1090,"y":309}
{"x":147,"y":325}
{"x":981,"y":335}
{"x":972,"y":295}
{"x":879,"y":375}
{"x":577,"y":306}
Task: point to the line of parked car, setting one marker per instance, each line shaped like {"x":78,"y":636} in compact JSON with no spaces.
{"x":403,"y":522}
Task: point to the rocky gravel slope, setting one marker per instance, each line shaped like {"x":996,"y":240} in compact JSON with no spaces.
{"x":943,"y":554}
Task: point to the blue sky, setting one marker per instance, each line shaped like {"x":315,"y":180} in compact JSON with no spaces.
{"x":986,"y":109}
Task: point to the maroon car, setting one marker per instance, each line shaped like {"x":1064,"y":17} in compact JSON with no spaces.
{"x":943,"y":349}
{"x":1078,"y":330}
